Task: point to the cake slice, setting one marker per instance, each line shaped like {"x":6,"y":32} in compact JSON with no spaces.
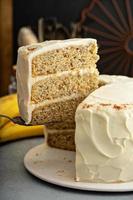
{"x":53,"y":77}
{"x":104,"y":134}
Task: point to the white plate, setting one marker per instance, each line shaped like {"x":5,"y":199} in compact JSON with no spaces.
{"x":57,"y":166}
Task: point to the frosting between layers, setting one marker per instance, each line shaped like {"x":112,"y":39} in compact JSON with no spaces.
{"x":104,"y":135}
{"x":44,"y":103}
{"x":48,"y":102}
{"x":65,"y":73}
{"x":24,"y":74}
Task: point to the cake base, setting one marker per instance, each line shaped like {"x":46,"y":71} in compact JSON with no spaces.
{"x":63,"y":139}
{"x":57,"y":167}
{"x":61,"y":135}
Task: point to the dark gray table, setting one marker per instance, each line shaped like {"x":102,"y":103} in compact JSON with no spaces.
{"x":17,"y":184}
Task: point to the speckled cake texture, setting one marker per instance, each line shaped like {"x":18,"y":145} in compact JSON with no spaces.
{"x":53,"y":77}
{"x":62,"y":135}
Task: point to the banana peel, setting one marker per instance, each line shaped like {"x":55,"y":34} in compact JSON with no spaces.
{"x":12,"y":132}
{"x":9,"y":107}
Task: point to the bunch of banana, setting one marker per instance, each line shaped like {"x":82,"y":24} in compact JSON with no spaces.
{"x":10,"y":131}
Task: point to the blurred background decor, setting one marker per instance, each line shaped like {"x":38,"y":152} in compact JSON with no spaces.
{"x":111,"y":23}
{"x":6,"y":48}
{"x":25,"y":22}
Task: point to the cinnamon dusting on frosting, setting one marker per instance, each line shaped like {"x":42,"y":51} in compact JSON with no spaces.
{"x":87,"y":106}
{"x":31,"y":48}
{"x":104,"y":135}
{"x":119,"y":107}
{"x":105,"y":104}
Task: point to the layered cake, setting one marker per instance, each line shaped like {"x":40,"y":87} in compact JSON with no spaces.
{"x":104,"y":134}
{"x":53,"y":77}
{"x":61,"y":135}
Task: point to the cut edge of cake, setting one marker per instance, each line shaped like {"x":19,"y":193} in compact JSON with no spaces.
{"x":26,"y":79}
{"x":60,"y":135}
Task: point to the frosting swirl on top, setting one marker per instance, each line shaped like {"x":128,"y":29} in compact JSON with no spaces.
{"x":104,"y":134}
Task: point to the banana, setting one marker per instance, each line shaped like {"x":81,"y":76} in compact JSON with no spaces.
{"x":9,"y":107}
{"x":11,"y":131}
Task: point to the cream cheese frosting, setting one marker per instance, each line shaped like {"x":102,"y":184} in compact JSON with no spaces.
{"x":24,"y":70}
{"x":106,"y":79}
{"x":104,"y":134}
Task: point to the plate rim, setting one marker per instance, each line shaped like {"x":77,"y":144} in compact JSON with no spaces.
{"x":97,"y":187}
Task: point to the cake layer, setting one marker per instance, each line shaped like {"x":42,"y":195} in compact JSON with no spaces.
{"x":104,"y":134}
{"x":61,"y":125}
{"x":63,"y":128}
{"x":65,"y":59}
{"x":76,"y":82}
{"x":60,"y":135}
{"x":45,"y":60}
{"x":62,"y":139}
{"x":59,"y":111}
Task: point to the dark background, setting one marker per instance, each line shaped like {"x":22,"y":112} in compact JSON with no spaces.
{"x":27,"y":12}
{"x":115,"y":37}
{"x":115,"y":50}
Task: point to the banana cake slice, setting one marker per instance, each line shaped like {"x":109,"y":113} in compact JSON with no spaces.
{"x":53,"y":77}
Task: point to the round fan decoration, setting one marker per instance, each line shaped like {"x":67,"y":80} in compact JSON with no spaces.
{"x":111,"y":23}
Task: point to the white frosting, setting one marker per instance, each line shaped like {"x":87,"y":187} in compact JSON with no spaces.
{"x":117,"y":92}
{"x":24,"y":74}
{"x":104,"y":134}
{"x":106,"y":79}
{"x":56,"y":100}
{"x":65,"y":73}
